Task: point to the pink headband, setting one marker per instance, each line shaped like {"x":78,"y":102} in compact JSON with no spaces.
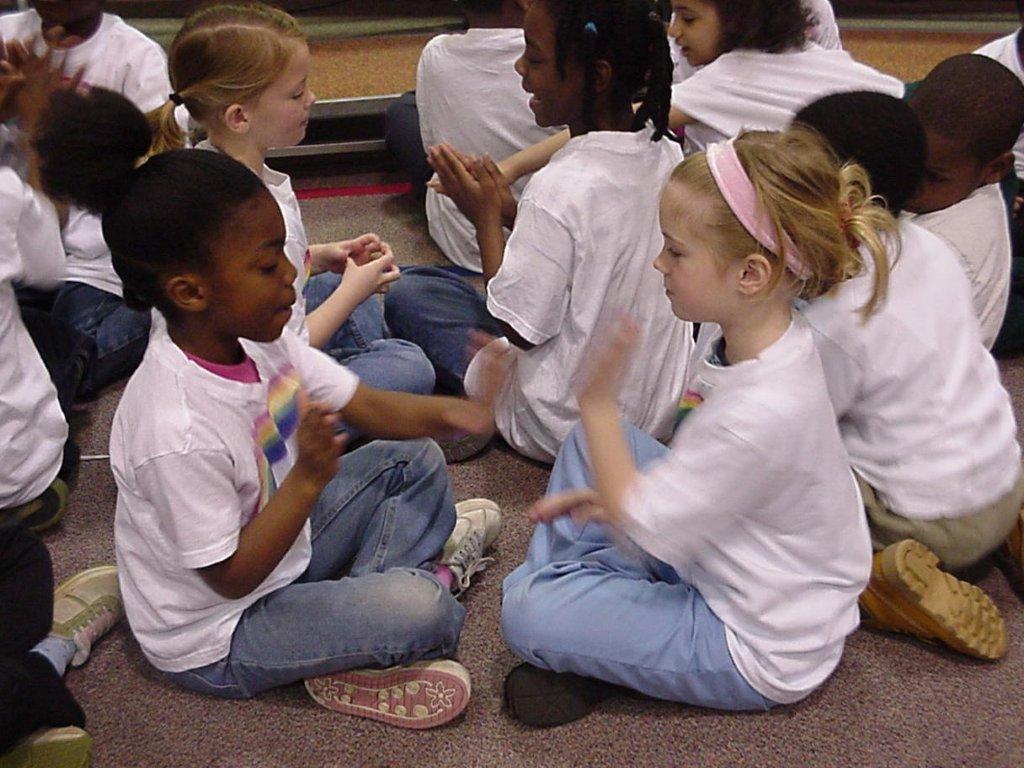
{"x":739,"y":194}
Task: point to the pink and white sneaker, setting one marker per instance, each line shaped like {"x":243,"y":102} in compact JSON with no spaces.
{"x":424,"y":694}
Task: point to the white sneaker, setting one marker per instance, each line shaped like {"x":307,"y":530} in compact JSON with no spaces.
{"x":477,"y":525}
{"x":85,"y":607}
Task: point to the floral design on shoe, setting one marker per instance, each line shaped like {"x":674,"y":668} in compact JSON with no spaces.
{"x":477,"y":525}
{"x":420,"y":695}
{"x":86,"y":607}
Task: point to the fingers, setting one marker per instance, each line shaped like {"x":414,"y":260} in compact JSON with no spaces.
{"x":580,"y":502}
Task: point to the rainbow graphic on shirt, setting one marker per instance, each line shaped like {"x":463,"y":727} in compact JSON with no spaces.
{"x":687,"y":403}
{"x":274,"y":426}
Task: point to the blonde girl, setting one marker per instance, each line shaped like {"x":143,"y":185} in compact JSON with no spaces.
{"x":724,"y":570}
{"x":242,"y":71}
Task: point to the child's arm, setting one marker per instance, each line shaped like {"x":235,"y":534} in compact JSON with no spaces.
{"x":270,"y":534}
{"x":533,"y":158}
{"x":334,"y":257}
{"x":358,"y":283}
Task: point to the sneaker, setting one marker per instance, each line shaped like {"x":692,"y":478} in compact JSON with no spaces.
{"x":85,"y":607}
{"x":50,"y":748}
{"x":43,"y":512}
{"x":421,"y":695}
{"x":463,"y":448}
{"x":477,"y":525}
{"x":543,"y":699}
{"x":909,"y":593}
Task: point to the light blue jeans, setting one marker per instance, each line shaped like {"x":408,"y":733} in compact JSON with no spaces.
{"x":582,"y":604}
{"x":363,"y":346}
{"x":384,"y":517}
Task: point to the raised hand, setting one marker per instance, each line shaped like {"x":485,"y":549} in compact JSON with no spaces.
{"x":466,"y":182}
{"x":600,"y":375}
{"x":319,"y":447}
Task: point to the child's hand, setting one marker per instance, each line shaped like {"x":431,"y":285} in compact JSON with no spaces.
{"x":319,"y":448}
{"x":334,"y":257}
{"x":364,"y":280}
{"x":583,"y":504}
{"x":509,"y":206}
{"x":34,"y":81}
{"x":470,"y":187}
{"x":600,"y":377}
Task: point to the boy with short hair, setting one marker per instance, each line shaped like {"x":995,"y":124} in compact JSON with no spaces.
{"x":970,"y":133}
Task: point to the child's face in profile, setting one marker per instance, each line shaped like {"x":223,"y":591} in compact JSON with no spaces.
{"x":554,"y":100}
{"x":67,"y":23}
{"x":280,"y":115}
{"x":951,"y":173}
{"x":697,"y":28}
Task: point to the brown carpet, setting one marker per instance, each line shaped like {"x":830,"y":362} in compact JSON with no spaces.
{"x":892,"y":702}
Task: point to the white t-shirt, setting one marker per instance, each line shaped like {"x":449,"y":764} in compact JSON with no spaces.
{"x":122,"y":59}
{"x":469,"y":95}
{"x":32,"y":427}
{"x":922,"y":412}
{"x":978,"y":231}
{"x":296,"y":244}
{"x":756,"y":507}
{"x":192,"y":473}
{"x":747,"y":89}
{"x":1004,"y":50}
{"x":582,"y":250}
{"x":824,"y":32}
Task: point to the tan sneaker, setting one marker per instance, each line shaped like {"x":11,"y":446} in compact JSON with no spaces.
{"x":1011,"y":553}
{"x":909,"y":593}
{"x":85,"y":607}
{"x":50,"y":748}
{"x":420,"y":695}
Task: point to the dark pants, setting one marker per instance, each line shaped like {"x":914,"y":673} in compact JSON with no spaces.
{"x":403,"y":139}
{"x":32,"y":694}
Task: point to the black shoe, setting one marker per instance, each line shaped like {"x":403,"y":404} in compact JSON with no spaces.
{"x":542,"y":699}
{"x":44,"y":512}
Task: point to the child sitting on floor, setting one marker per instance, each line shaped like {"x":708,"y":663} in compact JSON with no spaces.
{"x":234,"y":519}
{"x":722,"y":571}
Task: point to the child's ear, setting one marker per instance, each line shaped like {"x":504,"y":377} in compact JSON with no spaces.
{"x":755,"y":275}
{"x":187,"y":292}
{"x":236,"y":119}
{"x":995,"y":170}
{"x":602,"y":76}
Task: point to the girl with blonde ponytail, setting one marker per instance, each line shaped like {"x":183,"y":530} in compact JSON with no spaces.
{"x":752,"y":509}
{"x":927,"y":424}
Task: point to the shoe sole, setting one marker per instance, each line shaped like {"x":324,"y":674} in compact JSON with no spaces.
{"x":58,"y":488}
{"x":68,"y":587}
{"x":468,"y":505}
{"x":421,"y":695}
{"x":909,"y":593}
{"x":51,"y":748}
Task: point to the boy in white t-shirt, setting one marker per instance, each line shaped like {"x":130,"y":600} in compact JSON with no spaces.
{"x":112,"y":55}
{"x":971,"y":132}
{"x":469,"y":95}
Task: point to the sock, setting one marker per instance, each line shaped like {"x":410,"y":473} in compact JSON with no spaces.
{"x":57,"y":650}
{"x":445,"y":576}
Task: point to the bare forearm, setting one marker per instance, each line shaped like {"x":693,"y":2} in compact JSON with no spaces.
{"x":401,"y":416}
{"x":491,"y":238}
{"x":533,"y":158}
{"x":329,"y":316}
{"x":612,"y":464}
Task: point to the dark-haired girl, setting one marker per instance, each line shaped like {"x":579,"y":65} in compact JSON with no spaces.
{"x":234,"y":518}
{"x":584,"y":235}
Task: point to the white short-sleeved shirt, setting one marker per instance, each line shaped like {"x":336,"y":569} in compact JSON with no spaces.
{"x":469,"y":95}
{"x":32,"y":426}
{"x":756,"y":507}
{"x":978,"y":231}
{"x":824,"y":31}
{"x":1004,"y":50}
{"x":746,"y":89}
{"x":122,"y":59}
{"x":192,"y":473}
{"x":922,"y":412}
{"x":582,"y":251}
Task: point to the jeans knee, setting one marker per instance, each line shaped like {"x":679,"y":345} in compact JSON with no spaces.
{"x":417,"y":374}
{"x":431,"y":619}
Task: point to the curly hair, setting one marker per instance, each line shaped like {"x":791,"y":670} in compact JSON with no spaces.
{"x":772,"y":26}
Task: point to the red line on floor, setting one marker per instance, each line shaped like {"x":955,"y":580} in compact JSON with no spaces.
{"x":400,"y":188}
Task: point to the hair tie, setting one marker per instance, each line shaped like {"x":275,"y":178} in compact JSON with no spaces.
{"x":741,"y":197}
{"x":175,"y":98}
{"x":590,"y":28}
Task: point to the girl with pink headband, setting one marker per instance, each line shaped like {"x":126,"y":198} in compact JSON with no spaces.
{"x":723,"y":570}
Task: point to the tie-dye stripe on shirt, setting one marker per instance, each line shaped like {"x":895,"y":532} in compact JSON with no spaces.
{"x":273,"y":427}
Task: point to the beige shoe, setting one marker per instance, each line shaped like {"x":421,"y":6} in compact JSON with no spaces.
{"x":85,"y":607}
{"x":909,"y":593}
{"x":50,"y":748}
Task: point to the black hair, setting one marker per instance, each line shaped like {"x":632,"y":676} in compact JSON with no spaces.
{"x":160,"y":216}
{"x":480,"y":7}
{"x":630,"y":36}
{"x":974,"y":100}
{"x":763,"y":25}
{"x":878,"y":132}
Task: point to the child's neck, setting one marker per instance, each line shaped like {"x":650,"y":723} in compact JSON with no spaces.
{"x":605,"y":120}
{"x":194,"y":336}
{"x":240,"y":147}
{"x":755,"y":329}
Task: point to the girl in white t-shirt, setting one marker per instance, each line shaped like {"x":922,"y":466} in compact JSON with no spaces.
{"x":234,"y":518}
{"x":242,"y":72}
{"x":724,"y":570}
{"x":584,"y":234}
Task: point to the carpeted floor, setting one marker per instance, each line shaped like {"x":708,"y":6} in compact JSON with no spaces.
{"x":892,"y":702}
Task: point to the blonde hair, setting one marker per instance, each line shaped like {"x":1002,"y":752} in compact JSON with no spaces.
{"x":223,"y":55}
{"x":827,"y":210}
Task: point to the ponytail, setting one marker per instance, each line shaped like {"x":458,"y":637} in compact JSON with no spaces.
{"x":865,"y":221}
{"x":657,"y":99}
{"x":165,"y":129}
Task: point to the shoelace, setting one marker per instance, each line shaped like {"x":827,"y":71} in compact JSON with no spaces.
{"x":467,"y":559}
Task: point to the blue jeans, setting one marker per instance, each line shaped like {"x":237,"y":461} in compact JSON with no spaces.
{"x":385,"y":516}
{"x":363,"y":346}
{"x":437,"y":310}
{"x":582,"y":604}
{"x":120,"y":333}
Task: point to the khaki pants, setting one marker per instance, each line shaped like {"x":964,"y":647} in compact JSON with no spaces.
{"x":959,"y":542}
